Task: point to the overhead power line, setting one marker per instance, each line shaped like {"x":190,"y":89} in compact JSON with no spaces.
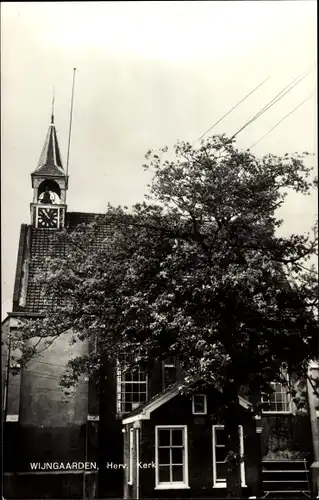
{"x":286,"y":116}
{"x":275,"y":99}
{"x":234,"y":107}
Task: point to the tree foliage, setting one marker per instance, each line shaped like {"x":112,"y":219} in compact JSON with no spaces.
{"x":197,"y":270}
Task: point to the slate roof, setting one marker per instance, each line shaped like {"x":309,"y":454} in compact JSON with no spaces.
{"x":36,"y":244}
{"x":50,"y":162}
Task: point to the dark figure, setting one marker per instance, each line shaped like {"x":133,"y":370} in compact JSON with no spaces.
{"x":46,"y":197}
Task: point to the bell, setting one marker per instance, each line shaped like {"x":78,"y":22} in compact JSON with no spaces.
{"x":46,"y":197}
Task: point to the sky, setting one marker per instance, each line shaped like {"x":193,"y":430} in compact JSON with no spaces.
{"x":148,"y":74}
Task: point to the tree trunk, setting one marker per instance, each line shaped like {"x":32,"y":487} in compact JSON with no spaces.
{"x":233,"y":477}
{"x":232,"y":422}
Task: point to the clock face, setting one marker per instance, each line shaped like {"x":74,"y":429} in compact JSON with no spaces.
{"x":48,"y":218}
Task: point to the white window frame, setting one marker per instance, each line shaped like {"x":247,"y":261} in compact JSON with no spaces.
{"x":266,"y":398}
{"x":173,"y":485}
{"x":223,"y":484}
{"x":119,"y":392}
{"x":205,"y":404}
{"x":131,"y":451}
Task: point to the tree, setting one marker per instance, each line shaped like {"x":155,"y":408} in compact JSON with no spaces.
{"x":197,"y":270}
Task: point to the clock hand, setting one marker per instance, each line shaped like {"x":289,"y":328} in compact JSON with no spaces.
{"x":47,"y":215}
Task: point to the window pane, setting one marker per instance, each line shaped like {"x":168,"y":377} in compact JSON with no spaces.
{"x":135,"y":376}
{"x":164,"y":456}
{"x":177,"y":437}
{"x":164,"y":437}
{"x":279,"y":397}
{"x":136,"y":396}
{"x":178,"y":473}
{"x":127,"y":406}
{"x":199,"y":403}
{"x":164,"y":476}
{"x":220,"y":454}
{"x":127,"y":376}
{"x":220,"y":437}
{"x":199,"y":407}
{"x":177,"y":455}
{"x":127,"y":397}
{"x":128,"y":387}
{"x":141,"y":387}
{"x":221,"y":472}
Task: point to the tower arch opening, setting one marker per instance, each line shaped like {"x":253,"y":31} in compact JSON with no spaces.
{"x":49,"y":192}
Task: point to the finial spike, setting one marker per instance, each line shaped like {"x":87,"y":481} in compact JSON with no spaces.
{"x":52,"y":111}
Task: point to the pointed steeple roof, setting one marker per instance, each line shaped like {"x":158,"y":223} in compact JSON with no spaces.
{"x":50,"y":162}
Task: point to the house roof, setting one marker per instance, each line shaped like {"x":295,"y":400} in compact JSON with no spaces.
{"x":144,"y":411}
{"x":36,"y":244}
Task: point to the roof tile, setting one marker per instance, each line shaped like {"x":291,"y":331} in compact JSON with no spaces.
{"x":43,"y":244}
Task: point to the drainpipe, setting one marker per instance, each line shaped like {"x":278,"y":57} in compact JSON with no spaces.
{"x":137,"y":426}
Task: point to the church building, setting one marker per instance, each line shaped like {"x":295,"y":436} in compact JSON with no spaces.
{"x":153,"y":440}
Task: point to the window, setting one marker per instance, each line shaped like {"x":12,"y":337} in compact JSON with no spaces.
{"x":131,"y":451}
{"x":219,"y":456}
{"x":171,"y":457}
{"x":169,"y":371}
{"x":279,"y":401}
{"x":131,"y":387}
{"x":199,"y":404}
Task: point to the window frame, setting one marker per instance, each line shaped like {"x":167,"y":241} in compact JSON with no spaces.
{"x":205,"y":404}
{"x":172,"y":485}
{"x":223,"y":484}
{"x":283,"y":391}
{"x":120,"y":383}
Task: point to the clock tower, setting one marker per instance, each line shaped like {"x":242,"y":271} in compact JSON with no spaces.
{"x":49,"y":183}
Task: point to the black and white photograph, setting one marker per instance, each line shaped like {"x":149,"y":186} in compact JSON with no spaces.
{"x":159,"y":229}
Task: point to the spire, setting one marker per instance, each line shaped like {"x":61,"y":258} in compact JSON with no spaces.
{"x":50,"y":162}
